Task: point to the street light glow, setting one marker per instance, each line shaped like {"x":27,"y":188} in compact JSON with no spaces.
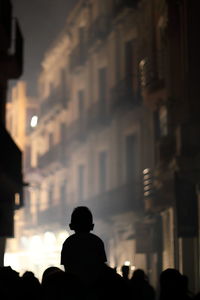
{"x":34,"y":121}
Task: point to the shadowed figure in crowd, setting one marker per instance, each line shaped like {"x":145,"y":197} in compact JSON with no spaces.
{"x":125,"y":272}
{"x":83,"y":253}
{"x":31,"y":287}
{"x":57,"y":284}
{"x":140,"y":287}
{"x":173,"y":285}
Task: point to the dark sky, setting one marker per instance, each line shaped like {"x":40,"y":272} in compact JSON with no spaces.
{"x":41,"y":21}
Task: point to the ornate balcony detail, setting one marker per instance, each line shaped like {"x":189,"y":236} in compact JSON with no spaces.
{"x":121,"y":199}
{"x":99,"y":29}
{"x":55,"y":156}
{"x":119,"y":5}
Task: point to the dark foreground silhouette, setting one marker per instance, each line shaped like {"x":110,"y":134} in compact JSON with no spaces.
{"x":87,"y":276}
{"x":57,"y":284}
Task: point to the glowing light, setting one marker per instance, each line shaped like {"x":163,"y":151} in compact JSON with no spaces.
{"x":35,"y":243}
{"x":17,"y":199}
{"x":63,"y":235}
{"x":34,"y":121}
{"x":127,"y":263}
{"x":133,"y":268}
{"x":146,"y":171}
{"x":49,"y":238}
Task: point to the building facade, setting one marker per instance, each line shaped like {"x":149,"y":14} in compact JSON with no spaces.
{"x":87,"y":146}
{"x":168,"y":69}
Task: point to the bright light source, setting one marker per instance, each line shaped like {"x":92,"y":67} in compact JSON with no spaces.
{"x":17,"y":199}
{"x":133,"y":268}
{"x":34,"y":121}
{"x":146,"y":171}
{"x":127,"y":263}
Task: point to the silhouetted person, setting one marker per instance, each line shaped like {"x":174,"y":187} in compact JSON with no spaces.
{"x":83,"y":253}
{"x":49,"y":271}
{"x":58,"y":284}
{"x":31,"y":287}
{"x":173,"y":285}
{"x":125,"y":272}
{"x":110,"y":285}
{"x":10,"y":284}
{"x":140,"y":287}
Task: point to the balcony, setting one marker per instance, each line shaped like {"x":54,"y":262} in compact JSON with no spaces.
{"x":78,"y":56}
{"x":52,"y":103}
{"x":99,"y":29}
{"x":163,"y":195}
{"x":153,"y":87}
{"x":52,"y":214}
{"x":119,"y":200}
{"x":119,"y":5}
{"x":55,"y":155}
{"x":122,"y":94}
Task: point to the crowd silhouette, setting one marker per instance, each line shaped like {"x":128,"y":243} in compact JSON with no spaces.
{"x":87,"y":275}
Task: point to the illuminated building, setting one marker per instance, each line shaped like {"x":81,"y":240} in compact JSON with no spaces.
{"x":86,"y":147}
{"x":170,"y":88}
{"x":118,"y":130}
{"x":11,"y":64}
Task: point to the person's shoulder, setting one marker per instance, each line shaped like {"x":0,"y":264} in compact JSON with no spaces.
{"x":94,"y":237}
{"x":70,"y":239}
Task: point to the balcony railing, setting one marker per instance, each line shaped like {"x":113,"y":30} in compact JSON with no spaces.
{"x":119,"y":5}
{"x":99,"y":29}
{"x":149,"y":76}
{"x":50,"y":215}
{"x":56,"y":154}
{"x":121,"y":199}
{"x":54,"y":100}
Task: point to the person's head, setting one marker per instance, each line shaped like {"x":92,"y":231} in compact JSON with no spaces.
{"x":125,"y":271}
{"x":139,"y":275}
{"x":81,"y":219}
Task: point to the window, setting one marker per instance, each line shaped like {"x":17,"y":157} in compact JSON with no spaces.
{"x":163,"y":120}
{"x":50,"y":140}
{"x":102,"y":171}
{"x":82,"y":44}
{"x":63,"y":195}
{"x":131,"y":157}
{"x":129,"y":63}
{"x":81,"y":103}
{"x":102,"y":88}
{"x":81,"y":173}
{"x":50,"y":196}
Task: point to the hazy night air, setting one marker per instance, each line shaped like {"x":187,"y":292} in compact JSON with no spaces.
{"x":102,"y":112}
{"x":42,"y":20}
